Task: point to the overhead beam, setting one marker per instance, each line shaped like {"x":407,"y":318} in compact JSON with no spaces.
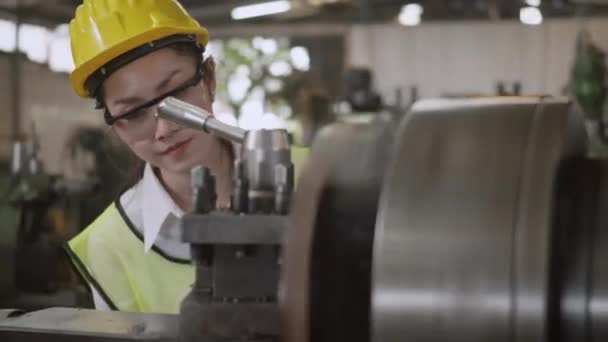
{"x":290,"y":30}
{"x":13,"y":4}
{"x":218,"y":10}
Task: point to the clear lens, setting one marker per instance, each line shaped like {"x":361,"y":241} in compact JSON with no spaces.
{"x":142,"y":124}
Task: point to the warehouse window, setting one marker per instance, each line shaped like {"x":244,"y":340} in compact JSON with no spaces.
{"x":39,"y":44}
{"x":7,"y":36}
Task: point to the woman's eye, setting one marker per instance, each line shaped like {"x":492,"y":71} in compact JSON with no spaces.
{"x":137,"y":115}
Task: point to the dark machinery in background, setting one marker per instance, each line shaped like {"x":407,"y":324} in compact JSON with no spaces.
{"x":361,"y":103}
{"x":32,"y":193}
{"x":471,"y":220}
{"x":40,"y":274}
{"x":42,"y":210}
{"x":359,"y":92}
{"x":39,"y":210}
{"x":91,"y":154}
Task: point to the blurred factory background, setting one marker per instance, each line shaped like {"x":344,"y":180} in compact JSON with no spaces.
{"x":292,"y":64}
{"x":454,"y":48}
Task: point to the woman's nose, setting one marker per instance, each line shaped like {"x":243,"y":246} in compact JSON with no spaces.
{"x":165,"y":128}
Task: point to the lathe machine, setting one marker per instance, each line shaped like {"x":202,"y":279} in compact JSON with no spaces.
{"x":466,"y":220}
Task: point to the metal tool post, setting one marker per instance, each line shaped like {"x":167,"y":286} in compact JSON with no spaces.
{"x":237,"y":251}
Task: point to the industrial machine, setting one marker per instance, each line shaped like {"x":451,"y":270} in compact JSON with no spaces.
{"x":470,"y":220}
{"x":236,"y":252}
{"x":360,"y":102}
{"x":487,"y":227}
{"x":35,"y":272}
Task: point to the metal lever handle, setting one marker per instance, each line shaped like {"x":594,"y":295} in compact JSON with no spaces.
{"x":195,"y":117}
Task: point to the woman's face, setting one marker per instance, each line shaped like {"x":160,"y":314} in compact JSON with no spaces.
{"x":164,"y":144}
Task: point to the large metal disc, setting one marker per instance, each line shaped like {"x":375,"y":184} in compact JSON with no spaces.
{"x":461,"y":250}
{"x":325,"y":287}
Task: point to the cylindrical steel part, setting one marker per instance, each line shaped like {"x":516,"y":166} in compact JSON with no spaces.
{"x":268,"y":159}
{"x":192,"y":116}
{"x":18,"y":158}
{"x":204,"y":195}
{"x":463,"y":237}
{"x":487,"y":230}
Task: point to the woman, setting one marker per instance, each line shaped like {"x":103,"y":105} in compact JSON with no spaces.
{"x":129,"y":55}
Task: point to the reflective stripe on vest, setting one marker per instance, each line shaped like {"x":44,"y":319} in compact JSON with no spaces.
{"x":110,"y":255}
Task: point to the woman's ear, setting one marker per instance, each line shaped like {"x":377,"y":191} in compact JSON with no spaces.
{"x":209,"y":76}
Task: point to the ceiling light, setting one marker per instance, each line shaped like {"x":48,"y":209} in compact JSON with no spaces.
{"x":34,"y":41}
{"x":60,"y":55}
{"x":300,"y":58}
{"x":261,"y":9}
{"x":534,"y":3}
{"x":8,"y":41}
{"x":411,"y":15}
{"x":530,"y":16}
{"x":280,"y":69}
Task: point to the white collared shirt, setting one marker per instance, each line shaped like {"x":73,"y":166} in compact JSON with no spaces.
{"x":154,"y":214}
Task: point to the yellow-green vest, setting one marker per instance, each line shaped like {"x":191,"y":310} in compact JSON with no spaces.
{"x":109,"y":255}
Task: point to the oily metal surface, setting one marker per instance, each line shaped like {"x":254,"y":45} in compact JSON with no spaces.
{"x":579,"y":251}
{"x":598,"y":266}
{"x":64,"y":324}
{"x":461,"y":247}
{"x":227,"y":228}
{"x":324,"y":291}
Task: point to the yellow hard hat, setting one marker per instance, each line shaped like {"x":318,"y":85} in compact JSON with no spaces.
{"x":105,"y":29}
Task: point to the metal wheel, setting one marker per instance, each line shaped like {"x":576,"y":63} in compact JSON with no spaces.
{"x":328,"y":247}
{"x":462,"y":249}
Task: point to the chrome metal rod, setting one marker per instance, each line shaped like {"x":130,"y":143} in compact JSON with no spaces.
{"x":195,"y":117}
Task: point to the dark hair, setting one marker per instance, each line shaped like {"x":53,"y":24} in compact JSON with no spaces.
{"x":135,"y":173}
{"x":181,"y":48}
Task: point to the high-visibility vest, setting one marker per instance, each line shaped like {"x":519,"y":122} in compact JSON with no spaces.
{"x":109,"y":255}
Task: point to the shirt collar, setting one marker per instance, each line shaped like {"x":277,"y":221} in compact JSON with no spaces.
{"x":157,"y":207}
